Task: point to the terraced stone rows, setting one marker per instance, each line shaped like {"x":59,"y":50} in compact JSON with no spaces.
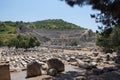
{"x":57,"y":33}
{"x":66,"y":37}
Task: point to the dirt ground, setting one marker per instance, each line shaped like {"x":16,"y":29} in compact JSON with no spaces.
{"x":21,"y":75}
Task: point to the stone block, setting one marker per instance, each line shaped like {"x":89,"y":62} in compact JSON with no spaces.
{"x":56,"y":64}
{"x":4,"y":71}
{"x":33,"y":69}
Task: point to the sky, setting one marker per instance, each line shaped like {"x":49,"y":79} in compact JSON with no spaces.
{"x":37,"y":10}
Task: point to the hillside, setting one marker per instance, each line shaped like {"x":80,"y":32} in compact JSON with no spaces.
{"x":67,"y":37}
{"x":7,"y":27}
{"x":53,"y":24}
{"x":49,"y":32}
{"x":7,"y":30}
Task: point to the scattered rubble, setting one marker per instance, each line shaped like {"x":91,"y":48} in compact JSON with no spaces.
{"x":93,"y":62}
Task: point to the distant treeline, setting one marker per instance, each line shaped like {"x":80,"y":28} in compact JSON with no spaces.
{"x":53,"y":24}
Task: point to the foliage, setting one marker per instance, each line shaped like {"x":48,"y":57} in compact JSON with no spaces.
{"x":24,"y":42}
{"x":1,"y":43}
{"x":109,"y":38}
{"x":109,"y":16}
{"x":109,"y":10}
{"x":4,"y":38}
{"x":54,"y":24}
{"x":7,"y":30}
{"x":9,"y":36}
{"x":74,"y":43}
{"x":115,"y":39}
{"x":7,"y":27}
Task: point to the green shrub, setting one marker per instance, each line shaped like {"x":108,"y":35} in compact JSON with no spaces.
{"x":74,"y":43}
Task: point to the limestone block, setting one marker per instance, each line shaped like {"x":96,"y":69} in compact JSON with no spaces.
{"x":4,"y":71}
{"x":33,"y":69}
{"x":56,"y":64}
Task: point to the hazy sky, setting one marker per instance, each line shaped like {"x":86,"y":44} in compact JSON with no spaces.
{"x":34,"y":10}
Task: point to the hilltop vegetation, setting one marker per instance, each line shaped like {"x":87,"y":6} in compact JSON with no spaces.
{"x":7,"y":30}
{"x":53,"y":24}
{"x":7,"y":27}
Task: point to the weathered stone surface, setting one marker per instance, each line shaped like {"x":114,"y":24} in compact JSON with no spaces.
{"x":85,"y":65}
{"x":93,"y":63}
{"x":33,"y":69}
{"x":74,"y":63}
{"x":71,"y":60}
{"x":81,"y":63}
{"x":4,"y":71}
{"x":56,"y":64}
{"x":44,"y":67}
{"x":52,"y":72}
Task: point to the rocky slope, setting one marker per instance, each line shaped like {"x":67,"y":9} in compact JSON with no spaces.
{"x":67,"y":37}
{"x":57,"y":37}
{"x":55,"y":32}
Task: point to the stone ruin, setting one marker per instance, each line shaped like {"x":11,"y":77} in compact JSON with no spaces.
{"x":54,"y":66}
{"x":96,"y":62}
{"x":4,"y":71}
{"x":33,"y":69}
{"x":66,"y":37}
